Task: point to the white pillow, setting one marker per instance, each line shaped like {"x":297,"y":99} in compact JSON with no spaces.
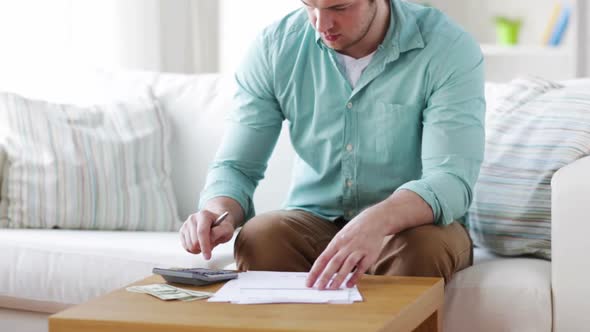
{"x":99,"y":167}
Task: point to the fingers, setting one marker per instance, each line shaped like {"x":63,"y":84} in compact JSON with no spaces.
{"x":332,"y":267}
{"x":361,"y":268}
{"x":351,"y":261}
{"x":190,"y":232}
{"x":338,"y":261}
{"x":338,"y":268}
{"x":319,"y":265}
{"x":183,"y":241}
{"x":222,"y":233}
{"x":186,"y":235}
{"x":197,"y":235}
{"x":356,"y":246}
{"x":204,"y":233}
{"x":191,"y":235}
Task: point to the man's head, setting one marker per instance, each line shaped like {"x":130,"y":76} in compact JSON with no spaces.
{"x":352,"y":27}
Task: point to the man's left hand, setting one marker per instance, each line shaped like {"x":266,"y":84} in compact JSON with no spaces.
{"x":356,"y":247}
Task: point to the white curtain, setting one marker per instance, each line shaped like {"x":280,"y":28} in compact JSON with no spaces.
{"x":206,"y":37}
{"x":153,"y":35}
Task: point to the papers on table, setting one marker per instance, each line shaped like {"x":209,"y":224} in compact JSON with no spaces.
{"x":255,"y":287}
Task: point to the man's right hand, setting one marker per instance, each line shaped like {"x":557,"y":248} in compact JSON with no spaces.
{"x":197,"y":236}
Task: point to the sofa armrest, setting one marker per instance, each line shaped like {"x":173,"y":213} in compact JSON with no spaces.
{"x":570,"y":242}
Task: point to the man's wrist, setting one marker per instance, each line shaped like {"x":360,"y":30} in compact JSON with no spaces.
{"x":220,"y":205}
{"x":398,"y":212}
{"x":380,"y":219}
{"x":389,"y":222}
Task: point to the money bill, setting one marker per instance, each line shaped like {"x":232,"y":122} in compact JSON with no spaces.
{"x":167,"y":292}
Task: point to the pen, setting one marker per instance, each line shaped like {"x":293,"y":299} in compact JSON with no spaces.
{"x":220,"y":219}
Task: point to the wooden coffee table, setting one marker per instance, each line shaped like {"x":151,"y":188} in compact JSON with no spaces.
{"x":390,"y":304}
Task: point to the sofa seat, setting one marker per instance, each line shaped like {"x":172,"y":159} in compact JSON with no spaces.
{"x":500,"y":294}
{"x":48,"y":270}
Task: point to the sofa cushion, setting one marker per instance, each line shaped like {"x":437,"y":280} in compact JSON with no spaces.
{"x":71,"y":266}
{"x":197,"y":107}
{"x":499,"y":294}
{"x":535,"y":129}
{"x":78,"y":85}
{"x":99,"y":167}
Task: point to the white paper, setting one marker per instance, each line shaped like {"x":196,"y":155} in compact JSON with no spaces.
{"x":280,"y":287}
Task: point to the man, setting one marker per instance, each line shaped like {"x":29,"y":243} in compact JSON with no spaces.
{"x":385,"y":107}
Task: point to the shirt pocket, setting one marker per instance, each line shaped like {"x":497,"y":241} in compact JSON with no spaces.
{"x":398,"y":131}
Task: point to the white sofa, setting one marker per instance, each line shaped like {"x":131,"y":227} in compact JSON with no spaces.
{"x":44,"y":271}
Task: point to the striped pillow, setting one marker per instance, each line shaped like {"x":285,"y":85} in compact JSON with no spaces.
{"x":101,"y":167}
{"x":534,"y":130}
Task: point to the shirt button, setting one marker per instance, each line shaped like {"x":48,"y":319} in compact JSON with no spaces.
{"x":349,"y":105}
{"x":349,"y":183}
{"x":349,"y":148}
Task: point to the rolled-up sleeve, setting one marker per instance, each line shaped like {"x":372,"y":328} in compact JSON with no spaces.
{"x":453,"y":131}
{"x":251,"y":134}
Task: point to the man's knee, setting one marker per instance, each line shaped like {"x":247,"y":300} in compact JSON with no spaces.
{"x":426,"y":251}
{"x":274,"y":241}
{"x":253,"y":248}
{"x":423,"y":254}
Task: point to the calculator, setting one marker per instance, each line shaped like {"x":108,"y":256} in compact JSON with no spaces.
{"x":195,"y":276}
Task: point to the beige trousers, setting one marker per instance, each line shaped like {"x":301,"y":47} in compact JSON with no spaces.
{"x":292,"y":240}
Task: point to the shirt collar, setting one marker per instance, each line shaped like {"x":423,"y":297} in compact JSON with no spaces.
{"x":402,"y":35}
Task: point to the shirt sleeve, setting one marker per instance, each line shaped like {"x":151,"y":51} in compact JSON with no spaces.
{"x":251,"y":134}
{"x":453,"y":131}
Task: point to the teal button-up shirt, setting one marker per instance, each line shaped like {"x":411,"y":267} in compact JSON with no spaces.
{"x":414,"y":121}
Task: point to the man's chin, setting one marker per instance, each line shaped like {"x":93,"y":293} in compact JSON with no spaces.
{"x":335,"y":45}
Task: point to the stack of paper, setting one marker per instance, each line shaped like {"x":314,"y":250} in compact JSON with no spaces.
{"x":280,"y":287}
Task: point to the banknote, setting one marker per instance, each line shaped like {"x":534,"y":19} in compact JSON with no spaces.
{"x":167,"y":292}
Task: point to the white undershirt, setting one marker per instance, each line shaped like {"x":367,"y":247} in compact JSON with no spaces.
{"x":354,"y":67}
